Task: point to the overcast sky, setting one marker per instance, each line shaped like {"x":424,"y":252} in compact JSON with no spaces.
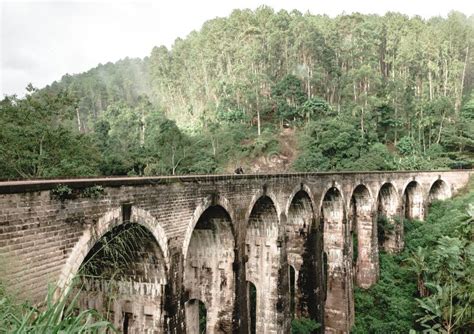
{"x":43,"y":40}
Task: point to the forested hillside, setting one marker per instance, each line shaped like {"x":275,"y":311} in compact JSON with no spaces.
{"x":356,"y":92}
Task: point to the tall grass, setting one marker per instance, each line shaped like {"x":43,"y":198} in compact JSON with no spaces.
{"x":54,"y":316}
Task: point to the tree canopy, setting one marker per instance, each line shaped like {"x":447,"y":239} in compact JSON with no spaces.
{"x":361,"y":92}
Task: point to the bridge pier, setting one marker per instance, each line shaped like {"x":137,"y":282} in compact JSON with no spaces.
{"x":364,"y":238}
{"x":339,"y":300}
{"x":305,"y":258}
{"x":263,"y":249}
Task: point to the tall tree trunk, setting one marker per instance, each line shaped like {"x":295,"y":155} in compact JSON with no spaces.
{"x":258,"y":122}
{"x":459,"y":96}
{"x":440,"y":129}
{"x":79,"y":125}
{"x":421,"y":132}
{"x":206,"y":78}
{"x":172,"y":161}
{"x":395,"y":139}
{"x":355,"y":92}
{"x":445,"y":77}
{"x":258,"y":115}
{"x":142,"y":129}
{"x":430,"y":79}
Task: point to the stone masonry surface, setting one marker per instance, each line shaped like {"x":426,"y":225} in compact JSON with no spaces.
{"x":288,"y":235}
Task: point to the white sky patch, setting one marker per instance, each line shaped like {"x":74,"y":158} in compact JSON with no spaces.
{"x":40,"y":41}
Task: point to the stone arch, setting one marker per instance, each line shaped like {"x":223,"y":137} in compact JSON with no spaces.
{"x":105,"y":224}
{"x":439,"y":191}
{"x":208,"y":268}
{"x":304,"y":253}
{"x":299,"y":223}
{"x":413,"y":204}
{"x":338,"y":305}
{"x":300,"y":188}
{"x":257,"y":196}
{"x":389,"y":225}
{"x":212,"y":200}
{"x":262,"y":249}
{"x":136,"y":278}
{"x":363,"y":230}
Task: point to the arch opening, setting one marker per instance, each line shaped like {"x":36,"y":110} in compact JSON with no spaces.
{"x":263,"y":252}
{"x":252,"y":307}
{"x":389,"y":228}
{"x":439,"y":191}
{"x":339,"y":312}
{"x":208,"y":270}
{"x":123,"y":277}
{"x":364,"y":241}
{"x":413,"y":201}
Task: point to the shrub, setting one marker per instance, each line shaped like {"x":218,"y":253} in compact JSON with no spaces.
{"x":303,"y":326}
{"x":62,"y":192}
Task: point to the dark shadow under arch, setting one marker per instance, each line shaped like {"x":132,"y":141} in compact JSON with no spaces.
{"x":252,"y":301}
{"x":413,"y":201}
{"x":439,"y":191}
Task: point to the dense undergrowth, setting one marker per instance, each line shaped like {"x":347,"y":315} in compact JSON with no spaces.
{"x":53,"y":316}
{"x":429,"y":287}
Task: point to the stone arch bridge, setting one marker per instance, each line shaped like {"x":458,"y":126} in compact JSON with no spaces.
{"x":248,"y":251}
